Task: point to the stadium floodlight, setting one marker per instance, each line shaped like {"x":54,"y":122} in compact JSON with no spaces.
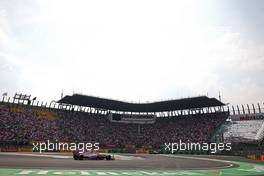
{"x":4,"y":95}
{"x":33,"y":100}
{"x":21,"y":98}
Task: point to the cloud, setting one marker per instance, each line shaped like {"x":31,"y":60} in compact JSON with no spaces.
{"x":10,"y":69}
{"x":124,"y":50}
{"x":240,"y":66}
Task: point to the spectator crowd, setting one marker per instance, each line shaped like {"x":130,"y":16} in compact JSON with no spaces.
{"x":67,"y":126}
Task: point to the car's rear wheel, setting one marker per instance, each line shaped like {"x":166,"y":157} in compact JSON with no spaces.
{"x":108,"y":157}
{"x":75,"y":157}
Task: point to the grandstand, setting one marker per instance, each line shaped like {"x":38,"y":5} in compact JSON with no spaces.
{"x":122,"y":127}
{"x":120,"y":124}
{"x":110,"y":122}
{"x":244,"y":131}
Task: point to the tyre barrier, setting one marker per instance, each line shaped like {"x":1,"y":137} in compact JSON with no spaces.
{"x":256,"y":157}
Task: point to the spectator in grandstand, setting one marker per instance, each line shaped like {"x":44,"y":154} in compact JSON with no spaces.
{"x":27,"y":124}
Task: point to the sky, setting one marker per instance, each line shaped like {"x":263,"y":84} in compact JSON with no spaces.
{"x":135,"y":51}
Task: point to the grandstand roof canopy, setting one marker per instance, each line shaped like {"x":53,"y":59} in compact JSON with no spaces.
{"x":161,"y":106}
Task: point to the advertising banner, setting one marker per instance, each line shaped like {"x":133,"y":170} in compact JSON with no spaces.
{"x":239,"y":117}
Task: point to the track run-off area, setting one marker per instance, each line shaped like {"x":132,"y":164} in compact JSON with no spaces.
{"x":138,"y":165}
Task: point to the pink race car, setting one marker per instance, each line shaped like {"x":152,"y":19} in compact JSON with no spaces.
{"x":88,"y":155}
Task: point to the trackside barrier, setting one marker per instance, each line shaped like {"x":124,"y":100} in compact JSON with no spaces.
{"x":256,"y":157}
{"x":65,"y":151}
{"x":142,"y":151}
{"x":252,"y":157}
{"x":102,"y":151}
{"x":261,"y":157}
{"x":8,"y":149}
{"x":24,"y":149}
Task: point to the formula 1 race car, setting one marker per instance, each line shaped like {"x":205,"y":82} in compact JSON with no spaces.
{"x":88,"y":155}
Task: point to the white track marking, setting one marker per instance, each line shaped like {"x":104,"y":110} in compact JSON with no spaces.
{"x":204,"y":159}
{"x":37,"y":155}
{"x":50,"y":155}
{"x":84,"y":173}
{"x":101,"y":173}
{"x":42,"y":172}
{"x":25,"y":172}
{"x":121,"y":157}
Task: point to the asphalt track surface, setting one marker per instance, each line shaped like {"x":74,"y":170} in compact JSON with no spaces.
{"x":151,"y":162}
{"x":54,"y":164}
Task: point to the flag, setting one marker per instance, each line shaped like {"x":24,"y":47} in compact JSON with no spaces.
{"x":5,"y":94}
